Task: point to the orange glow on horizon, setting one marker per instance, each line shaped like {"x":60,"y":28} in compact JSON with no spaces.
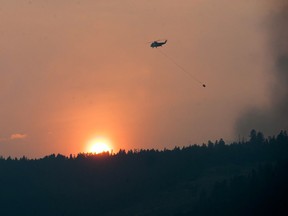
{"x":99,"y":145}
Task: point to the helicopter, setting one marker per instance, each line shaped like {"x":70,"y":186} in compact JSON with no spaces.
{"x":159,"y":43}
{"x":156,"y":44}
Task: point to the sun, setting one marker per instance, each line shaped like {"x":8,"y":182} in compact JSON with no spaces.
{"x":99,"y":145}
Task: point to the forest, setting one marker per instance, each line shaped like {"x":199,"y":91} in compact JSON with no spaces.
{"x":248,"y":177}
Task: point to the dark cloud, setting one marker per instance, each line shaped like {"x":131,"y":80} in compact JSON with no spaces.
{"x":273,"y":119}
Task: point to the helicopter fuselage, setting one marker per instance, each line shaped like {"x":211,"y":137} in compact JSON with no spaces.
{"x":156,"y":44}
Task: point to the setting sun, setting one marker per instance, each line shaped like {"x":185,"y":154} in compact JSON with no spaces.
{"x":99,"y":145}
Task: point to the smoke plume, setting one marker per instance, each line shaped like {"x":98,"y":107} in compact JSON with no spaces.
{"x":275,"y":118}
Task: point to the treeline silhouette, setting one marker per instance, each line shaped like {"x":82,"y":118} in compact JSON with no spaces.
{"x":242,"y":178}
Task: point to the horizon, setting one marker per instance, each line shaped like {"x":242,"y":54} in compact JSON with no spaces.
{"x":111,"y":152}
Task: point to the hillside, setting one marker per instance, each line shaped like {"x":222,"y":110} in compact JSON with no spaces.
{"x":244,"y":178}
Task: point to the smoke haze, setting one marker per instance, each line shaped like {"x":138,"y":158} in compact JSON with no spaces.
{"x":73,"y":70}
{"x":273,"y":118}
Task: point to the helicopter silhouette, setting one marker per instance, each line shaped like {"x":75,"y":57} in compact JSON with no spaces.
{"x":156,"y":44}
{"x":159,"y":43}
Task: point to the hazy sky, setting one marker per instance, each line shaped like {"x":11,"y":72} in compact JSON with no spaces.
{"x":72,"y":70}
